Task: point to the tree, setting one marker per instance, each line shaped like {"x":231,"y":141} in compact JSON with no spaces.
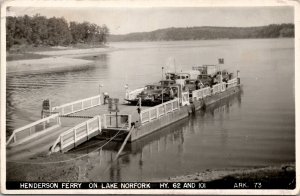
{"x":39,"y":30}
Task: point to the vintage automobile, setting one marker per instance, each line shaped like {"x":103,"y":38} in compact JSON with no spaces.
{"x":154,"y":94}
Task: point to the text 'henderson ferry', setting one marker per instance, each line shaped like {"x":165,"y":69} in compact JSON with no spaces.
{"x":176,"y":83}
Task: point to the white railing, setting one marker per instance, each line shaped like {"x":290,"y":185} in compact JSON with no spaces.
{"x":77,"y":106}
{"x":157,"y":111}
{"x":185,"y":99}
{"x":34,"y":129}
{"x":232,"y":83}
{"x":132,"y":94}
{"x":221,"y":87}
{"x":119,"y":121}
{"x":201,"y":93}
{"x":79,"y":132}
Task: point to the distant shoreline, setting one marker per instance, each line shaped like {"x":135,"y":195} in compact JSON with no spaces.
{"x":53,"y":60}
{"x":208,"y":33}
{"x":221,"y":39}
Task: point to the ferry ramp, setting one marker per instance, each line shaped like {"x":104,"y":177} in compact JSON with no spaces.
{"x":79,"y":125}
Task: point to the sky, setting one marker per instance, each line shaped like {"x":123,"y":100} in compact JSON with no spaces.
{"x":128,"y":20}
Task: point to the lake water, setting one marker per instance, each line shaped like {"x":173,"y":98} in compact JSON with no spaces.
{"x":253,"y":128}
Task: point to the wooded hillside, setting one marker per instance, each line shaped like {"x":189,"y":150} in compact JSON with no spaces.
{"x":39,"y":30}
{"x":198,"y":33}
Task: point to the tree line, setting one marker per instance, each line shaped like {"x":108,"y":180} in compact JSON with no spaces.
{"x":198,"y":33}
{"x":39,"y":30}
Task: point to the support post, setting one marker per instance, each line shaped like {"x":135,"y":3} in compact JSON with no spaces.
{"x":58,"y":120}
{"x":109,"y":118}
{"x":238,"y":77}
{"x":140,"y":107}
{"x":99,"y":124}
{"x":75,"y":136}
{"x":87,"y":129}
{"x":162,"y":96}
{"x":61,"y":143}
{"x":117,"y":119}
{"x":104,"y":121}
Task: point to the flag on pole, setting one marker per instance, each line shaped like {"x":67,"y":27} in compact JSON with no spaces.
{"x":221,"y":61}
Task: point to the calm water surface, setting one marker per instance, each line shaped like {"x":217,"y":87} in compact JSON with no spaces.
{"x":253,"y":128}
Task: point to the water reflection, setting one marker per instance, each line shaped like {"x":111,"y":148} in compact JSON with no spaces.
{"x":171,"y":140}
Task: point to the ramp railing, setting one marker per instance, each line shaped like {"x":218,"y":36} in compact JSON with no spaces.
{"x":201,"y":93}
{"x":185,"y":99}
{"x":232,"y":83}
{"x":77,"y":106}
{"x":132,"y":94}
{"x":34,"y":129}
{"x":120,"y":121}
{"x":221,"y":87}
{"x":159,"y":110}
{"x":83,"y":131}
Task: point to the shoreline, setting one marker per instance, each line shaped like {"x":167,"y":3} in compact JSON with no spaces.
{"x":283,"y":175}
{"x":55,"y":60}
{"x":265,"y":177}
{"x":215,"y":174}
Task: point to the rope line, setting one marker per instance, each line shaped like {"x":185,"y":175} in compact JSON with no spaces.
{"x":78,"y":149}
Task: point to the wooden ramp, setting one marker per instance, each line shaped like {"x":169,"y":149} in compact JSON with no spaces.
{"x":69,"y":125}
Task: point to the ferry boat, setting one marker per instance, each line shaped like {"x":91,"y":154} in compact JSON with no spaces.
{"x":176,"y":83}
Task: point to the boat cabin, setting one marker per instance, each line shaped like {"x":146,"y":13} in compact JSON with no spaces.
{"x":150,"y":87}
{"x":206,"y":70}
{"x":166,"y":83}
{"x":190,"y":74}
